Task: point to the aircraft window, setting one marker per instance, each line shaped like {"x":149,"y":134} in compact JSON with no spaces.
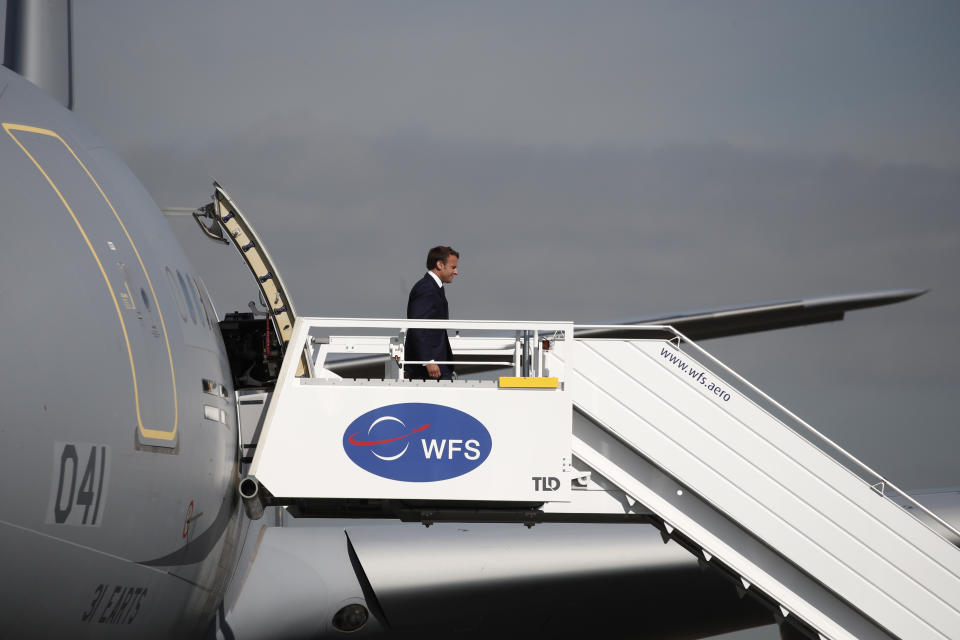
{"x":200,"y":306}
{"x":208,"y":303}
{"x":186,"y":294}
{"x":146,"y":300}
{"x":207,"y":306}
{"x":178,"y":294}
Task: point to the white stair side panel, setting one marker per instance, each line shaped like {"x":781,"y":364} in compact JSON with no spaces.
{"x":804,"y":469}
{"x":824,"y":472}
{"x":672,"y":461}
{"x":807,"y":468}
{"x":775,"y":483}
{"x":790,"y":522}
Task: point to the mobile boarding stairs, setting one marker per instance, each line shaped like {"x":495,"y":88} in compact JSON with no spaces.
{"x":649,"y":429}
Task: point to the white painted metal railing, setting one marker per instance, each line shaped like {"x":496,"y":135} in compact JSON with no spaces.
{"x":477,"y":342}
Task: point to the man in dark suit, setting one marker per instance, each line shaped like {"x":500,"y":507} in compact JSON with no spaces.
{"x":429,"y":301}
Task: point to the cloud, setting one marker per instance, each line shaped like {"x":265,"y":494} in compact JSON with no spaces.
{"x":529,"y":218}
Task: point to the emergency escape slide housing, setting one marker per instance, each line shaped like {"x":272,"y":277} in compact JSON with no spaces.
{"x":712,"y":458}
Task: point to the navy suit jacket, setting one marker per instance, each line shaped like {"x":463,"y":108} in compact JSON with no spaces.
{"x":427,"y":302}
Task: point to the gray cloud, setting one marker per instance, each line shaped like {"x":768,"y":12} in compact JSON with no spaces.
{"x":618,"y":214}
{"x":865,"y":79}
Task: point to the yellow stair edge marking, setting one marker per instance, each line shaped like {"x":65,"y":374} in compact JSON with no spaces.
{"x":510,"y":382}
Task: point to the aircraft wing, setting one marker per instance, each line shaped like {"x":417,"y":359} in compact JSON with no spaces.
{"x":699,"y":325}
{"x":732,"y":321}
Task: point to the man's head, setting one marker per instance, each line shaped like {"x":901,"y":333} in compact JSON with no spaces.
{"x":443,"y":262}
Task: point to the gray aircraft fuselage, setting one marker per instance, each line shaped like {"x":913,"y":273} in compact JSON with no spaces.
{"x":117,"y":469}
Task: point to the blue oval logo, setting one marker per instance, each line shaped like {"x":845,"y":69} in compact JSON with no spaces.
{"x":417,"y":442}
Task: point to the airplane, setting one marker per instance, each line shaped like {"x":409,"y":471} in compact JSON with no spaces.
{"x":121,"y":453}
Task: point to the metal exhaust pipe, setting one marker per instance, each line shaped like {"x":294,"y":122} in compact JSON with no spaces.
{"x":253,"y":496}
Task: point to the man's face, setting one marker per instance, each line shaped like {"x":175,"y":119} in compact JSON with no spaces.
{"x":446,"y":270}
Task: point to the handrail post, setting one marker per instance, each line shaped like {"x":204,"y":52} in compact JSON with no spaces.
{"x":525,"y":360}
{"x":516,"y":353}
{"x":538,"y":369}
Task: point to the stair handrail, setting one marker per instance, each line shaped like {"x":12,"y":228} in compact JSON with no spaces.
{"x":797,"y":419}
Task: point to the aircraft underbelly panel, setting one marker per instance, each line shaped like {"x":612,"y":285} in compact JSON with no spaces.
{"x":89,"y":593}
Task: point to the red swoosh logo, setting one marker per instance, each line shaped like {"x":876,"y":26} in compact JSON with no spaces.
{"x":367,"y":443}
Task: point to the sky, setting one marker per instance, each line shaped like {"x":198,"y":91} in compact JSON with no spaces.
{"x":593,"y":162}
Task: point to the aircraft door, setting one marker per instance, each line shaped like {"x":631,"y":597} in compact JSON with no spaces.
{"x":131,"y":291}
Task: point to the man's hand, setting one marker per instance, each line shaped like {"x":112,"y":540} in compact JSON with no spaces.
{"x":433,"y":370}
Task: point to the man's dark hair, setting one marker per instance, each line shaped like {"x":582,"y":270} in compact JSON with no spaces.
{"x":440,"y":253}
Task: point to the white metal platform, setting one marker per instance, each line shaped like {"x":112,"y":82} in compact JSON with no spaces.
{"x":675,"y":430}
{"x":396,"y":439}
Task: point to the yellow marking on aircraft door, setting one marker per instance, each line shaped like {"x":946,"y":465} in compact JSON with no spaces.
{"x":164,"y":424}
